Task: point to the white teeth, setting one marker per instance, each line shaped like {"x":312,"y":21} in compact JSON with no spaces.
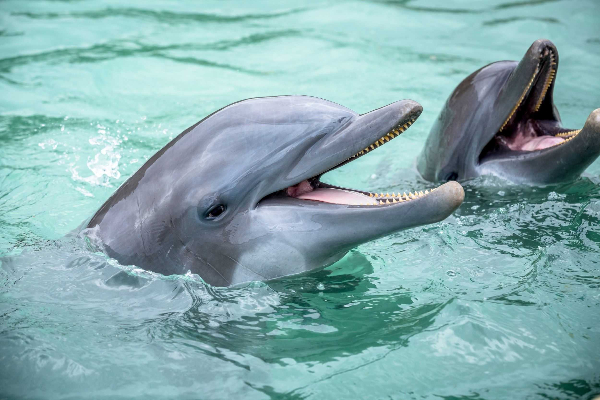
{"x":384,"y":139}
{"x":574,"y":133}
{"x":387,"y":198}
{"x":570,"y":135}
{"x":537,"y":70}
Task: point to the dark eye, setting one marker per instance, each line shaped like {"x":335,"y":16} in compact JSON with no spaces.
{"x":452,"y":176}
{"x":215,"y":211}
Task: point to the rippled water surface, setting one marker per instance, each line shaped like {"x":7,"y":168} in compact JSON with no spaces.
{"x":501,"y":300}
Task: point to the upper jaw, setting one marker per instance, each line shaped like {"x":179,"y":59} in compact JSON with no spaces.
{"x":529,"y":88}
{"x":365,"y":133}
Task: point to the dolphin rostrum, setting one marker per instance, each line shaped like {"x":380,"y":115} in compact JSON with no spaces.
{"x":238,"y":197}
{"x":501,"y":120}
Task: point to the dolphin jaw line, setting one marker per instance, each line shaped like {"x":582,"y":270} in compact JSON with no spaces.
{"x":313,"y":189}
{"x":394,"y":133}
{"x":325,"y":193}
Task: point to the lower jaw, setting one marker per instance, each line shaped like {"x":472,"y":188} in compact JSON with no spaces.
{"x":530,"y":136}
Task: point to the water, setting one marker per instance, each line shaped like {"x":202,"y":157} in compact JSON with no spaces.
{"x":498,"y":301}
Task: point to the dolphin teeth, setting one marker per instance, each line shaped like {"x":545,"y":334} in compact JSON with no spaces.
{"x":384,"y":139}
{"x":571,"y":134}
{"x":537,"y":70}
{"x":426,"y":191}
{"x":574,"y":133}
{"x":547,"y":84}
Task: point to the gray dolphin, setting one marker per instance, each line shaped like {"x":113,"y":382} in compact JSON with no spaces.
{"x":501,"y":120}
{"x":237,"y":197}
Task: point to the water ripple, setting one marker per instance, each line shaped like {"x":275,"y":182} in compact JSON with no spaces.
{"x":163,"y":16}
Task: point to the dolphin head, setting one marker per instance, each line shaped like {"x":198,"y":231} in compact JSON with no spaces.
{"x":501,"y":120}
{"x":238,"y":196}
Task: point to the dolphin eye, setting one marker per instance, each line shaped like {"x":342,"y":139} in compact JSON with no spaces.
{"x":215,"y":211}
{"x":452,"y":176}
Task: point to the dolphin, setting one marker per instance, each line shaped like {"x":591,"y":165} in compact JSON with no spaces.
{"x":501,"y":120}
{"x":238,"y":196}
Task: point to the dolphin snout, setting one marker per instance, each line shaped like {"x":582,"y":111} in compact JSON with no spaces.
{"x":591,"y":131}
{"x":455,"y":194}
{"x":542,"y":48}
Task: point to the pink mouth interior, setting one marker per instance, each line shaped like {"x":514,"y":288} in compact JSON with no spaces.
{"x":525,"y":138}
{"x":305,"y":191}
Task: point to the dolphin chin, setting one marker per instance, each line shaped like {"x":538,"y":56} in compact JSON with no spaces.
{"x":238,"y":196}
{"x":501,"y":120}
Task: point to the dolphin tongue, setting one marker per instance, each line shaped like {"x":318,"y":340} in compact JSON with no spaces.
{"x":336,"y":196}
{"x":540,"y":143}
{"x":529,"y":136}
{"x":305,"y":191}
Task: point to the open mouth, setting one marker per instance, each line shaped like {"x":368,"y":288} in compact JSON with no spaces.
{"x":531,"y":125}
{"x":313,"y":189}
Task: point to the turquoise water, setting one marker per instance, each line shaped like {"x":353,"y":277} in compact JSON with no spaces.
{"x":501,"y":300}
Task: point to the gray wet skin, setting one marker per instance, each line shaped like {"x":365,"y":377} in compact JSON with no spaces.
{"x":214,"y":201}
{"x":493,"y":119}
